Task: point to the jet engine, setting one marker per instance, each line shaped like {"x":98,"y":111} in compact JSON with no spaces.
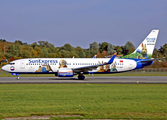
{"x":65,"y":72}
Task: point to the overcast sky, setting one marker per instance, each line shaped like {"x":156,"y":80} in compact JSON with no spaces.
{"x":81,"y":22}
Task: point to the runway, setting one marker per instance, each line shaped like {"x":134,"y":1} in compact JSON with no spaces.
{"x":105,"y":80}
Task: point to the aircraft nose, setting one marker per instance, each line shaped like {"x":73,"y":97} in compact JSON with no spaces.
{"x":4,"y":68}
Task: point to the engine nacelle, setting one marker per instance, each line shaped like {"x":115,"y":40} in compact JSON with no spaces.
{"x":65,"y":72}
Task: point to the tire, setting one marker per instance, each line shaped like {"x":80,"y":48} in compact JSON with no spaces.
{"x":81,"y":77}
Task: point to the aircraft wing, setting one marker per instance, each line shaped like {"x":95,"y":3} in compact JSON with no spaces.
{"x":92,"y":67}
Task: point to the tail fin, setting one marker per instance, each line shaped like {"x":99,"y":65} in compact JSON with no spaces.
{"x":145,"y":49}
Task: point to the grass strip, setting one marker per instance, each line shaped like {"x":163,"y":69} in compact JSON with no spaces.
{"x":93,"y":101}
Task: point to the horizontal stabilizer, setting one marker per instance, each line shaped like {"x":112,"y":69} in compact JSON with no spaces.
{"x":149,"y":60}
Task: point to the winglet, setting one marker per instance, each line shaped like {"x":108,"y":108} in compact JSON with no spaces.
{"x":115,"y":53}
{"x":112,"y":59}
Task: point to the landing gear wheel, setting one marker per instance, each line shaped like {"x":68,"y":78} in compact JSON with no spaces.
{"x":81,"y":77}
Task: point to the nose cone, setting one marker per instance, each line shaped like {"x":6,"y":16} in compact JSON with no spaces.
{"x":5,"y":68}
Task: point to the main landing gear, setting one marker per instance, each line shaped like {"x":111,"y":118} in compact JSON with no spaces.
{"x":81,"y":77}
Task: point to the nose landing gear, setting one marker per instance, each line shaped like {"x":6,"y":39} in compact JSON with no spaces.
{"x":18,"y":77}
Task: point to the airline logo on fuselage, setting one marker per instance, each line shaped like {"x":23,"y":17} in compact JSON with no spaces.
{"x":43,"y":61}
{"x":12,"y":68}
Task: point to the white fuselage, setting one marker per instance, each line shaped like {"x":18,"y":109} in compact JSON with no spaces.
{"x":49,"y":65}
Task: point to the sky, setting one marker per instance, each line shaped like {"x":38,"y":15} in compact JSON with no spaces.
{"x":81,"y":22}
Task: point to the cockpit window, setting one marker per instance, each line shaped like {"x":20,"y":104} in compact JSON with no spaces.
{"x":11,"y":63}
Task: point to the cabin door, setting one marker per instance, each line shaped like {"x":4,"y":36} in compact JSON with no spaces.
{"x":22,"y":64}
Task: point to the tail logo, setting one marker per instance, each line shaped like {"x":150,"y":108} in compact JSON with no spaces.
{"x":150,"y":39}
{"x":142,"y":52}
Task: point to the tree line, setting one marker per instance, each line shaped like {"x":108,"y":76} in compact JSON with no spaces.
{"x":44,"y":49}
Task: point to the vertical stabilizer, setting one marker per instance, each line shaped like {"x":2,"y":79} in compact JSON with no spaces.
{"x":146,"y":48}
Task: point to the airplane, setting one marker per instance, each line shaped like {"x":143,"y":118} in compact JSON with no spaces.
{"x":68,"y":67}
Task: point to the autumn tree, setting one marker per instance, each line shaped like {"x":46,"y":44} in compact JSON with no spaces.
{"x":26,"y":51}
{"x":3,"y":40}
{"x":51,"y":55}
{"x":81,"y":54}
{"x":25,"y":54}
{"x":18,"y":42}
{"x":43,"y":44}
{"x":2,"y":56}
{"x":105,"y":53}
{"x":156,"y":54}
{"x":45,"y":52}
{"x":1,"y":46}
{"x":13,"y":50}
{"x":118,"y":49}
{"x":93,"y":49}
{"x":163,"y":50}
{"x":59,"y":55}
{"x":68,"y":47}
{"x":39,"y":52}
{"x":103,"y":46}
{"x":34,"y":44}
{"x":128,"y":48}
{"x":110,"y":49}
{"x":87,"y":53}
